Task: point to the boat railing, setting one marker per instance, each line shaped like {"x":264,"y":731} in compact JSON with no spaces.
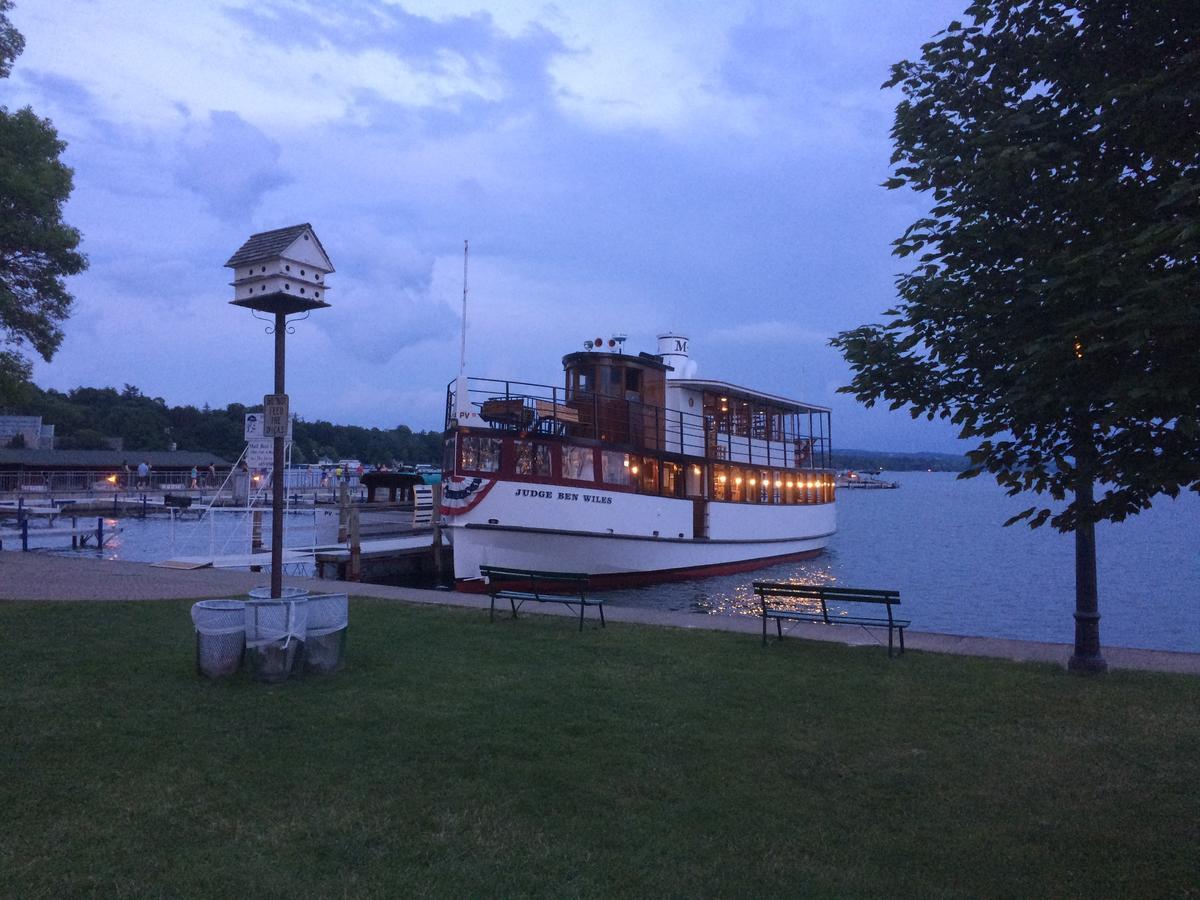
{"x":544,"y":409}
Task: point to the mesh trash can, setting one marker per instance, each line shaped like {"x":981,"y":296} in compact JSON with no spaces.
{"x":275,"y":637}
{"x":263,"y":592}
{"x":220,"y":636}
{"x":325,"y":638}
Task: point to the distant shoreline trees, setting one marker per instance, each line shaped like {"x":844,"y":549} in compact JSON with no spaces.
{"x":88,"y":418}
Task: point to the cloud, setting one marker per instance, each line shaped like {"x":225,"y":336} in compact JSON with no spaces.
{"x":619,"y":167}
{"x":230,"y":164}
{"x":773,"y":332}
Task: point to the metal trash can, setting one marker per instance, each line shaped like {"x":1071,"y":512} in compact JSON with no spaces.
{"x":263,"y":592}
{"x":325,"y":637}
{"x":220,"y":636}
{"x":275,"y":637}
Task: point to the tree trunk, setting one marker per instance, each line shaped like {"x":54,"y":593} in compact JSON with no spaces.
{"x":1086,"y":659}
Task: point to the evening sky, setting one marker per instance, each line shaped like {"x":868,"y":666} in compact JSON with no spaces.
{"x":709,"y":168}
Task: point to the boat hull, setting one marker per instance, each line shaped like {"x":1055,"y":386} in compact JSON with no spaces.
{"x":622,"y":539}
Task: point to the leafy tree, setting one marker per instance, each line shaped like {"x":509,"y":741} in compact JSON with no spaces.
{"x":1054,"y":309}
{"x":12,"y":44}
{"x":84,"y":439}
{"x":37,"y":249}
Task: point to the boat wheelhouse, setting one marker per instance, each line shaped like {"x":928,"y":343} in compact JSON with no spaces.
{"x":632,"y":472}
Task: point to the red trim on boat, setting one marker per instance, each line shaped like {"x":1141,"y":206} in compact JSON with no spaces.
{"x":612,"y":580}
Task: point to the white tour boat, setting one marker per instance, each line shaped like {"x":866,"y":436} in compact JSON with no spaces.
{"x":632,"y":472}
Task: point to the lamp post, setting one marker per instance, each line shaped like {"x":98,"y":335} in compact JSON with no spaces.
{"x":280,"y":273}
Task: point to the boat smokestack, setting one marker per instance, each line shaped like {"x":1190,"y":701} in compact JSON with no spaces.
{"x":673,"y":349}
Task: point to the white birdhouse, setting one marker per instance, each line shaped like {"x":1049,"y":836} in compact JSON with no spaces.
{"x":281,"y":271}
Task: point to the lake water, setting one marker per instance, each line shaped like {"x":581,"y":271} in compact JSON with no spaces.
{"x":938,"y":540}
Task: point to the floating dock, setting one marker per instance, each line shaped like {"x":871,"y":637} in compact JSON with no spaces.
{"x":298,"y":559}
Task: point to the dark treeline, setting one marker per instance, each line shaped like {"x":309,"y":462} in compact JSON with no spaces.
{"x":91,"y":418}
{"x":900,"y":462}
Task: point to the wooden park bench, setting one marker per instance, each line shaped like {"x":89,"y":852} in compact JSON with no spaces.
{"x":770,"y":591}
{"x":521,"y":586}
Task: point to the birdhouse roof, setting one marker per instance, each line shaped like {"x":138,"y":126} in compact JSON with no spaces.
{"x":273,"y":244}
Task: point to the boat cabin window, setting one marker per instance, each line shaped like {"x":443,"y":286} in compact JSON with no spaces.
{"x":578,"y":463}
{"x":531,"y":458}
{"x":737,"y":485}
{"x":614,"y":467}
{"x":613,"y":381}
{"x":581,"y":380}
{"x":646,"y":471}
{"x":672,"y":479}
{"x":720,"y":485}
{"x":481,"y":454}
{"x":633,"y":384}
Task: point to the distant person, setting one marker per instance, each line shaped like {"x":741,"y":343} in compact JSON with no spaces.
{"x":195,"y":478}
{"x":128,"y":483}
{"x":212,"y":475}
{"x":143,"y":472}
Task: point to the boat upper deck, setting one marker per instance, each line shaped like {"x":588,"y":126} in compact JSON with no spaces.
{"x":622,"y":408}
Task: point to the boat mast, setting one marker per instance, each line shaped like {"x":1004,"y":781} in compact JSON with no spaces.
{"x":462,"y":355}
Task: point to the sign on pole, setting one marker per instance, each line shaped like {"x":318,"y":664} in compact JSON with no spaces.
{"x":260,"y":455}
{"x":276,"y":421}
{"x":253,"y":426}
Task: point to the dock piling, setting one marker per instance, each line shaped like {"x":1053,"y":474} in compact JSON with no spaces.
{"x":355,"y":573}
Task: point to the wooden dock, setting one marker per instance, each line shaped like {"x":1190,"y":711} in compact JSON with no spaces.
{"x":382,"y":557}
{"x":297,"y":559}
{"x":97,"y":536}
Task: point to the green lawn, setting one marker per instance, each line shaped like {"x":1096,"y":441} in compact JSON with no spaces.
{"x":458,"y":758}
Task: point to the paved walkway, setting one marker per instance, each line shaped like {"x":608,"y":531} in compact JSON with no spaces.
{"x":42,"y":576}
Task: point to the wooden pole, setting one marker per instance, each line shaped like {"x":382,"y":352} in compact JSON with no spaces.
{"x":355,"y":548}
{"x":255,"y":536}
{"x":343,"y":511}
{"x":437,"y":532}
{"x":277,"y":472}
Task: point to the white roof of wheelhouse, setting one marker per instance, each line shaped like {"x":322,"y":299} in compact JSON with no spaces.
{"x":734,"y":390}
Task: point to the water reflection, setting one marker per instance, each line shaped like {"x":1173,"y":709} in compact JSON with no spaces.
{"x":729,"y":594}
